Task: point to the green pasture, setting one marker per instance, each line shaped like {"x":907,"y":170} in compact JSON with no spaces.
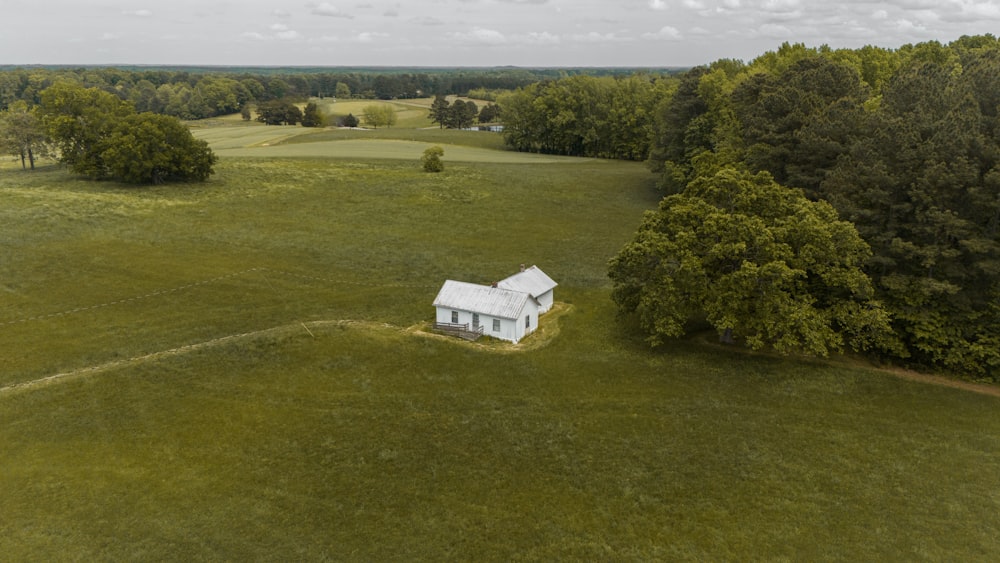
{"x":240,"y":370}
{"x":392,"y":143}
{"x":409,"y":113}
{"x":389,"y":149}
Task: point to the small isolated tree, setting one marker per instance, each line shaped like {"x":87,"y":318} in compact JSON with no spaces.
{"x":379,"y":114}
{"x":758,"y":261}
{"x":245,"y":112}
{"x":432,"y":159}
{"x":349,"y":121}
{"x":312,"y":117}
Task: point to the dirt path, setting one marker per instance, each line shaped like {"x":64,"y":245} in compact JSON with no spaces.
{"x":982,"y":388}
{"x":541,"y":338}
{"x":59,"y":377}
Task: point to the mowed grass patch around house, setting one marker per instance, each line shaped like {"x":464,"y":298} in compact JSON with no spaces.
{"x":314,"y":423}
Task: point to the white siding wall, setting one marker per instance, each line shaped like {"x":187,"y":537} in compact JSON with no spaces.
{"x":511,"y":330}
{"x":545,"y":301}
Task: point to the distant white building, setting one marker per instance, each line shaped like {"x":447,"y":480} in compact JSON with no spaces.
{"x":507,"y":310}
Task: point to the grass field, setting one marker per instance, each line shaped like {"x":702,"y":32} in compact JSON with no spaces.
{"x":410,"y":114}
{"x":238,"y":370}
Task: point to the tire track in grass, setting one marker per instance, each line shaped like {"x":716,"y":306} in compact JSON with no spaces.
{"x":542,"y":338}
{"x":295,"y":327}
{"x":188,"y":348}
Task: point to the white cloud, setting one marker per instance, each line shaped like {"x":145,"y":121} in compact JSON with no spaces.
{"x":535,"y":38}
{"x":138,"y":13}
{"x":775,"y":31}
{"x":327,"y":9}
{"x":966,"y":11}
{"x":596,"y":37}
{"x":480,"y":35}
{"x":279,"y":13}
{"x":666,"y":33}
{"x":370,"y":36}
{"x":657,"y":4}
{"x":428,"y":21}
{"x":923,"y":4}
{"x":908,"y":27}
{"x":278,"y":31}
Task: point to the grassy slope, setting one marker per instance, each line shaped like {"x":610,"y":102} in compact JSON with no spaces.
{"x":364,"y":441}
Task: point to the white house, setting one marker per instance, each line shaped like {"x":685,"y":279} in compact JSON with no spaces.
{"x":535,"y":283}
{"x":507,"y":310}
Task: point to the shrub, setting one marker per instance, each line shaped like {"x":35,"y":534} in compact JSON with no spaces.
{"x":432,"y":159}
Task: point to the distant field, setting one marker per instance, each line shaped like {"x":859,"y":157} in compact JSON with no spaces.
{"x":390,"y":149}
{"x":409,"y":113}
{"x":243,"y":136}
{"x":388,"y":143}
{"x":240,"y":370}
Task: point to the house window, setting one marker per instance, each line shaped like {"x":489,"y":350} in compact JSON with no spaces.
{"x":527,"y":321}
{"x":475,"y":320}
{"x":496,"y":325}
{"x":454,"y":317}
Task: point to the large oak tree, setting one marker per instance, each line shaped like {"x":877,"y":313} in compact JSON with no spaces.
{"x":100,"y":136}
{"x":756,"y":260}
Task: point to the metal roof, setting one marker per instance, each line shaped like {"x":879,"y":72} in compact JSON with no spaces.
{"x":483,"y":299}
{"x":532,"y":281}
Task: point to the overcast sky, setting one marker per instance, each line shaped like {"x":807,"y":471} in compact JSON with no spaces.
{"x":643,"y":33}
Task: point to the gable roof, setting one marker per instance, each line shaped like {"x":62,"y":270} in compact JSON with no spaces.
{"x":483,"y":299}
{"x":532,"y":281}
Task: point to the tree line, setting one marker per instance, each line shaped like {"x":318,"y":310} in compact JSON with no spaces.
{"x":461,"y":114}
{"x":903,"y":145}
{"x":603,"y":117}
{"x":196,"y":93}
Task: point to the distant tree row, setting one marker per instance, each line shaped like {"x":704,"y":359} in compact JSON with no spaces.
{"x":195,"y":93}
{"x":904,"y":144}
{"x":600,"y":117}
